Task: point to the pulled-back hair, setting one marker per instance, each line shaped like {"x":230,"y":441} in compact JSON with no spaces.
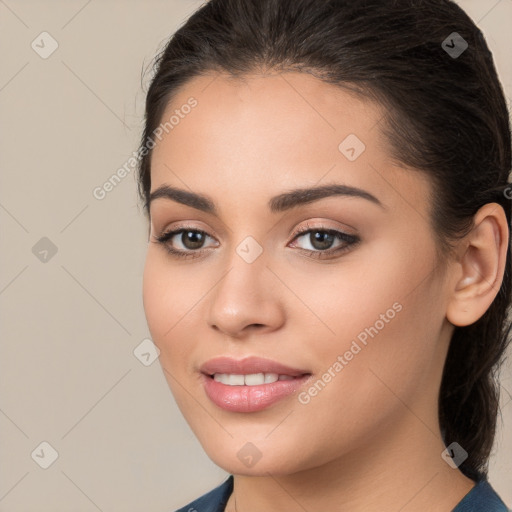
{"x":446,"y":116}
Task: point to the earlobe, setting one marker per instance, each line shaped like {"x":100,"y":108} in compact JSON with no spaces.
{"x":481,"y":266}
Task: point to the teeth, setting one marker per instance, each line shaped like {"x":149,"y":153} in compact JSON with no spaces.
{"x":269,"y":378}
{"x":253,"y":379}
{"x":256,"y":379}
{"x":235,"y":380}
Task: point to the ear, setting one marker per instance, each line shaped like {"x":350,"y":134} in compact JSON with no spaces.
{"x":481,"y":266}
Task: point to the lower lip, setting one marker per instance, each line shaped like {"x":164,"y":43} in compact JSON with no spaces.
{"x":250,"y":398}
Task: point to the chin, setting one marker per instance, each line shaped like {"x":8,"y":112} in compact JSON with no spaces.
{"x":243,"y":457}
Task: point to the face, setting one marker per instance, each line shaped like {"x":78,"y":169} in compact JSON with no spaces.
{"x":341,"y":286}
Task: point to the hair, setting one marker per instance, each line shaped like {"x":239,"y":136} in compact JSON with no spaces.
{"x":446,"y":116}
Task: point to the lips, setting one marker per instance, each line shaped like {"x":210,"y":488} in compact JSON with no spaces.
{"x":249,"y":365}
{"x":238,"y":395}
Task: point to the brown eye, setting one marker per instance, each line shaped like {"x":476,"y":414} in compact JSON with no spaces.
{"x":191,"y":240}
{"x":321,"y":241}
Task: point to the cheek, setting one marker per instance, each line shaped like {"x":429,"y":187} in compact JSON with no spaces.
{"x":387,"y":322}
{"x":167,"y":294}
{"x":154,"y":293}
{"x":168,"y":306}
{"x":169,"y":300}
{"x":364,"y":392}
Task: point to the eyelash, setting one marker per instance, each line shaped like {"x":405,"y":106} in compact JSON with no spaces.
{"x":350,"y":240}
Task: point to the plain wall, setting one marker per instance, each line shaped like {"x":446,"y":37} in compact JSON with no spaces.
{"x":70,"y":323}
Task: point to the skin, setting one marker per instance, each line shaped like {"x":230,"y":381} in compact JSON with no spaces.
{"x":370,"y":440}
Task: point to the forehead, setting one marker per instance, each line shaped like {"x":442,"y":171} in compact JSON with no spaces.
{"x":261,"y":134}
{"x":263,"y":120}
{"x":269,"y":103}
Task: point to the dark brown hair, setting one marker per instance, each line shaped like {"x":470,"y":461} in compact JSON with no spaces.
{"x":446,"y":116}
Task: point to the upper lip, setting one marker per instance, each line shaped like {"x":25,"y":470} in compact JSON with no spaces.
{"x":247,"y":366}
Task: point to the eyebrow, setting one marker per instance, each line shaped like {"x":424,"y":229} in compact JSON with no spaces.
{"x":280,"y":203}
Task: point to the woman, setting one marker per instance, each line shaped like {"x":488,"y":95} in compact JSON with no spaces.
{"x":329,"y":271}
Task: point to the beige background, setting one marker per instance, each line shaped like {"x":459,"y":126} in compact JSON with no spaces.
{"x":69,"y":325}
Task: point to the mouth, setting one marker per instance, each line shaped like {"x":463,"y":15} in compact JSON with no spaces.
{"x":233,"y":370}
{"x":251,"y":379}
{"x":251,"y":384}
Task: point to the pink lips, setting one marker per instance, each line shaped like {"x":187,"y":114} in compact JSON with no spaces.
{"x":249,"y":398}
{"x":247,"y":366}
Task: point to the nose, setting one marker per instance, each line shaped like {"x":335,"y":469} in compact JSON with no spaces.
{"x":248,"y":297}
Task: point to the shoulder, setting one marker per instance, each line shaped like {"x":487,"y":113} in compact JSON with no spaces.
{"x":481,"y":498}
{"x":213,"y":501}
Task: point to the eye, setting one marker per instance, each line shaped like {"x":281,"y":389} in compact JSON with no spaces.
{"x":190,"y":238}
{"x":321,"y":241}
